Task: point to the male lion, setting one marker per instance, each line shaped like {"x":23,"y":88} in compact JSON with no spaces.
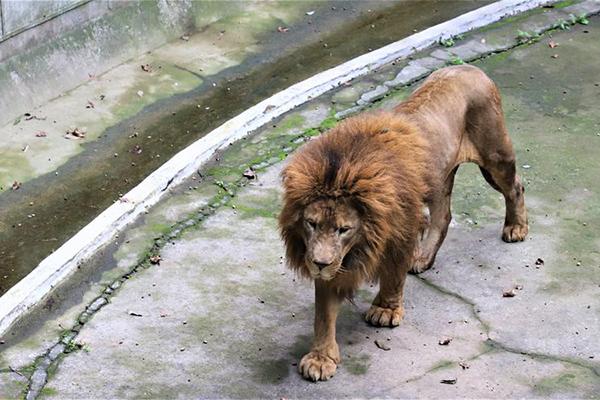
{"x":355,"y":197}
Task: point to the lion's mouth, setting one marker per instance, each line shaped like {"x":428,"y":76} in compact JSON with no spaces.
{"x":327,"y":274}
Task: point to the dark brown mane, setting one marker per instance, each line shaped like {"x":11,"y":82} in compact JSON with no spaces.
{"x":378,"y":163}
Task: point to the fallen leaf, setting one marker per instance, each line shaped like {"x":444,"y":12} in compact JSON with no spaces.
{"x":137,"y":149}
{"x":134,"y":314}
{"x":268,"y":108}
{"x":185,"y":38}
{"x":155,"y":259}
{"x":90,"y":105}
{"x":509,"y":293}
{"x":519,"y":287}
{"x":41,"y":134}
{"x":450,"y":381}
{"x":464,"y":365}
{"x":249,"y":173}
{"x":16,"y":185}
{"x":555,"y":56}
{"x":444,"y":341}
{"x":146,"y":68}
{"x":25,"y":148}
{"x":539,"y":261}
{"x":282,"y":29}
{"x":30,"y":116}
{"x":552,"y":44}
{"x":310,"y":12}
{"x":140,"y":93}
{"x":382,"y":345}
{"x":75,"y":133}
{"x":102,"y":97}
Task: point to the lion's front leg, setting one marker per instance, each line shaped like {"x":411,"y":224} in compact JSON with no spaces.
{"x":387,"y":308}
{"x":324,"y":356}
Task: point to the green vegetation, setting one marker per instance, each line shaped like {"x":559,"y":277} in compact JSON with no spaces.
{"x":526,"y":37}
{"x":581,"y":19}
{"x":448,"y":42}
{"x":455,"y":60}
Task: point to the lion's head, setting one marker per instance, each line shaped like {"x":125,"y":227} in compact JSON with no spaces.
{"x":350,"y":198}
{"x":331,"y":228}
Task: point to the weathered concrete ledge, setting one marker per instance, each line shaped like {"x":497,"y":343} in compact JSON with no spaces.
{"x":58,"y":266}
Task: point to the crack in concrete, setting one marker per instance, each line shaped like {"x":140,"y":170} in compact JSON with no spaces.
{"x":473,"y":306}
{"x":567,"y":360}
{"x":67,"y":344}
{"x":497,"y":345}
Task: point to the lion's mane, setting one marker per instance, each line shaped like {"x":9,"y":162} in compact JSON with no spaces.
{"x":378,"y":162}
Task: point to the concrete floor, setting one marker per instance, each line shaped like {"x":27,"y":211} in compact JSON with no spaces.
{"x":221,"y":316}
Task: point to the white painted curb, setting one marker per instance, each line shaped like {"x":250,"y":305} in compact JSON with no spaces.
{"x":55,"y":268}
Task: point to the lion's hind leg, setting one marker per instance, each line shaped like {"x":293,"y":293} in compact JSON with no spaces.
{"x":503,"y":177}
{"x":387,"y":308}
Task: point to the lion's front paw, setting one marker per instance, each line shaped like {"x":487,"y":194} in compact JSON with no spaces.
{"x":380,"y":316}
{"x":316,"y":366}
{"x":514,"y":233}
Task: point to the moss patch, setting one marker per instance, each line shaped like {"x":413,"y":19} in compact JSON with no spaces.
{"x":358,"y":364}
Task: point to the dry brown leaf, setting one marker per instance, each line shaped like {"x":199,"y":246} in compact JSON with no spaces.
{"x":539,"y":261}
{"x":249,"y":173}
{"x":382,"y":345}
{"x":155,"y":259}
{"x":450,"y":381}
{"x":137,"y":149}
{"x":444,"y":341}
{"x":75,"y":133}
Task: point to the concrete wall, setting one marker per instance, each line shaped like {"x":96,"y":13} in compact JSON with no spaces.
{"x":49,"y":47}
{"x":20,"y":15}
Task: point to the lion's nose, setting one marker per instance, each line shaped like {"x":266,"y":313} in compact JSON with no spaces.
{"x":321,"y":264}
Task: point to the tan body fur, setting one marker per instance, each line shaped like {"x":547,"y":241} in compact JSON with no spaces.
{"x":354,"y":198}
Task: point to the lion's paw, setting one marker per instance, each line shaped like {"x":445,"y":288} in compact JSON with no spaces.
{"x":514,"y":233}
{"x":380,"y":316}
{"x":421,"y":264}
{"x":316,"y":366}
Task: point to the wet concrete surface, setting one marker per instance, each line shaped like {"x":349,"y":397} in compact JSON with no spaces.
{"x":221,"y":317}
{"x":47,"y":210}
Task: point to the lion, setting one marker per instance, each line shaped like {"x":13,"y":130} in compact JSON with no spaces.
{"x":369,"y":200}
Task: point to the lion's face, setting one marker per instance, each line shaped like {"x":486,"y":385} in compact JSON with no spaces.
{"x":330,"y":229}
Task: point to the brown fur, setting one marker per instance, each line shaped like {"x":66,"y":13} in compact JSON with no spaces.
{"x":387,"y":167}
{"x":376,"y":162}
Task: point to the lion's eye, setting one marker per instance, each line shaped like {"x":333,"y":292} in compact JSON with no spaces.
{"x":343,"y":229}
{"x":311,"y":224}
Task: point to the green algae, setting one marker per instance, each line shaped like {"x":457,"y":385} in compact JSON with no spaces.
{"x":14,"y":166}
{"x":572,"y":380}
{"x":357,"y":364}
{"x":564,"y":3}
